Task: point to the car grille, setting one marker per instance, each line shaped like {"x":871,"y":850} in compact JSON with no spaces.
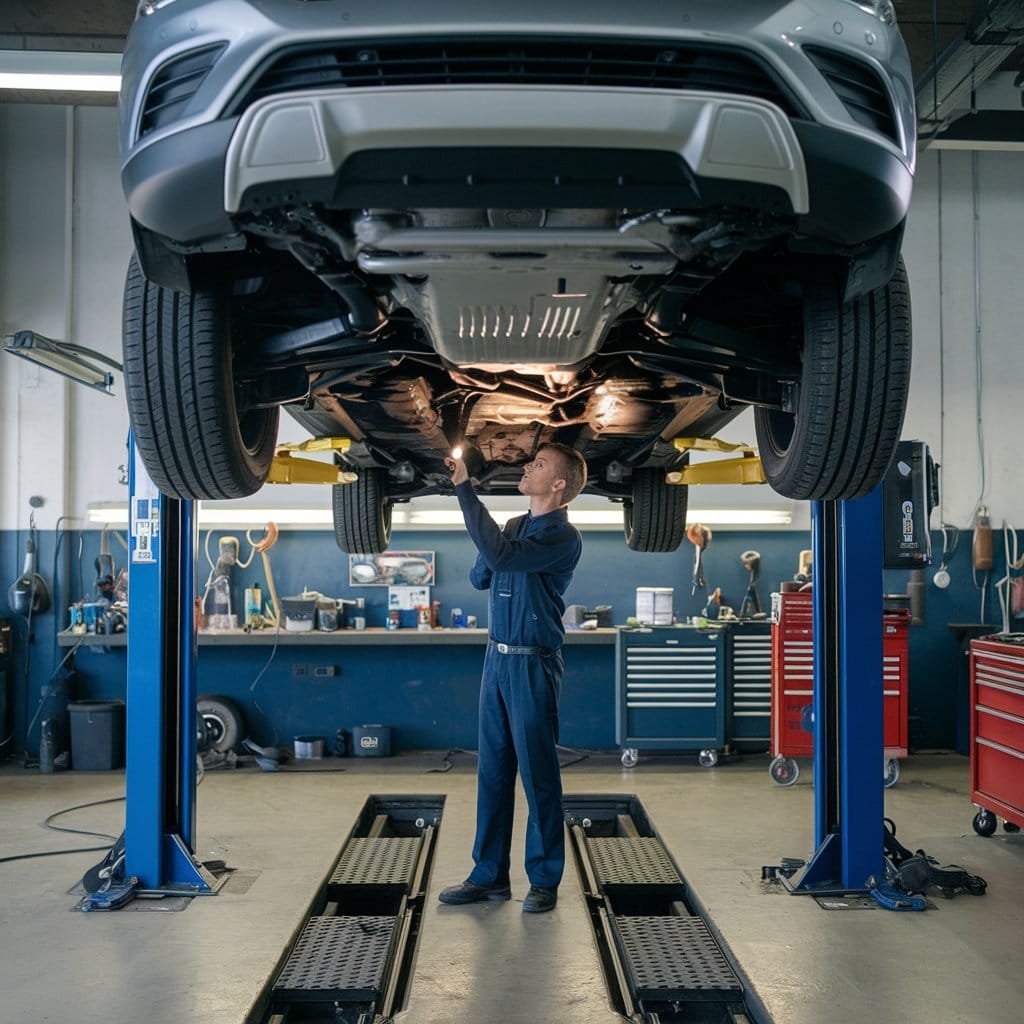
{"x":858,"y":87}
{"x":644,"y":65}
{"x":174,"y":85}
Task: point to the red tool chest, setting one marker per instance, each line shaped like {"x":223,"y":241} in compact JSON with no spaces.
{"x":793,"y":686}
{"x":997,"y":729}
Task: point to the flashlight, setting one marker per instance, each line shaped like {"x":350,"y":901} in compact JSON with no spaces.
{"x":472,"y":457}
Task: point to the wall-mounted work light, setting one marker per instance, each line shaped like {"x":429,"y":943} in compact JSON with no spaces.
{"x":73,"y":361}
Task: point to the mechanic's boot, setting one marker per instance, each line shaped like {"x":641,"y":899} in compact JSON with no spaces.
{"x":539,"y":901}
{"x":470,"y":892}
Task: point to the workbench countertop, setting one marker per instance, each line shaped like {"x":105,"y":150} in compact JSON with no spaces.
{"x":341,"y":637}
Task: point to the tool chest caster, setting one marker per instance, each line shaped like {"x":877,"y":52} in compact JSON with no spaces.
{"x":784,"y":770}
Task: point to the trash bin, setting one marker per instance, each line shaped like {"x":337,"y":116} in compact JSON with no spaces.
{"x":97,"y":734}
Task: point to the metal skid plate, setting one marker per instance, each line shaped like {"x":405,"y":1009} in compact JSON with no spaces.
{"x":674,"y":958}
{"x":642,"y":861}
{"x":377,"y":862}
{"x":337,"y":958}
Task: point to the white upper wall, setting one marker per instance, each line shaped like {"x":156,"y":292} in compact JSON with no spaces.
{"x":65,"y":242}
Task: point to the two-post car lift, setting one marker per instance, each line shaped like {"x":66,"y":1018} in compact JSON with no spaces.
{"x":161,"y":688}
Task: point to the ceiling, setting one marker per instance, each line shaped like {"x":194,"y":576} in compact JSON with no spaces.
{"x":932,"y":28}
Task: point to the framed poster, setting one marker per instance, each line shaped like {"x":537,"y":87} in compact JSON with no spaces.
{"x":392,"y":569}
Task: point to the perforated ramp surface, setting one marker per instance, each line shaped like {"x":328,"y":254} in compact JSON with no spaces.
{"x":642,"y":861}
{"x":378,"y":862}
{"x":340,"y":958}
{"x":675,"y":958}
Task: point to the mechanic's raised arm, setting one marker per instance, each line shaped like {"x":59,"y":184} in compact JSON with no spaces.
{"x":551,"y":551}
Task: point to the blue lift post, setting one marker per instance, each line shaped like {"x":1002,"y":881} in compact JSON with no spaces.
{"x":160,"y":755}
{"x":848,"y":741}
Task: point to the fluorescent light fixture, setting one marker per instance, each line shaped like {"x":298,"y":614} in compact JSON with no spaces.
{"x":740,"y":516}
{"x":229,"y":514}
{"x":73,"y":361}
{"x":60,"y":71}
{"x":116,"y":514}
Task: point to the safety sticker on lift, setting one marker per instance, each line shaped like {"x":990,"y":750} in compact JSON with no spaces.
{"x":144,"y":518}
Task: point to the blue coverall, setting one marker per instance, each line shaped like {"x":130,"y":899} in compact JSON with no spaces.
{"x":527,"y":567}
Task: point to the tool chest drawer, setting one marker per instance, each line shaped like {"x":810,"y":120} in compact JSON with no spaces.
{"x":997,"y":725}
{"x":750,"y":686}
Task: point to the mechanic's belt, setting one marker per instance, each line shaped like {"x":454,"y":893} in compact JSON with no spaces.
{"x":513,"y":649}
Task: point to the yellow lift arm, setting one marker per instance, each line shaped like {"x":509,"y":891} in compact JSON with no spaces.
{"x":287,"y":469}
{"x":746,"y":469}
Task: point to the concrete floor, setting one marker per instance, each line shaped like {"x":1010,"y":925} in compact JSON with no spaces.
{"x":962,"y":962}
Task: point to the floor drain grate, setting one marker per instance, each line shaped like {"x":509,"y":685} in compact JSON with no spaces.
{"x":377,"y":862}
{"x":338,"y":958}
{"x":642,"y":861}
{"x":675,"y":958}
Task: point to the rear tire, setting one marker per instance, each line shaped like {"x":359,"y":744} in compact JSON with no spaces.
{"x":655,"y":518}
{"x":853,"y":395}
{"x":180,"y":387}
{"x":362,"y":514}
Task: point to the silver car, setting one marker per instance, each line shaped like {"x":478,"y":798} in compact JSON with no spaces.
{"x":420,"y":225}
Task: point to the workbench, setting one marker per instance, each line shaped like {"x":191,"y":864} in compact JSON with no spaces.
{"x":423,"y":684}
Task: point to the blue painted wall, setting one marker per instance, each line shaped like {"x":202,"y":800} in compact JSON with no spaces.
{"x":431,"y":701}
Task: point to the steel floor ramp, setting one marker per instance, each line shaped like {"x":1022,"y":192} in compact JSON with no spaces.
{"x":376,"y":861}
{"x":352,"y":961}
{"x":639,"y":861}
{"x":675,"y":959}
{"x":662,"y":961}
{"x":338,"y":958}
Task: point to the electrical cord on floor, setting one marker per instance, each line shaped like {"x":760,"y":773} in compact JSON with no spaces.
{"x":446,"y":761}
{"x":78,"y":807}
{"x":60,"y":828}
{"x":259,"y":676}
{"x":581,"y":755}
{"x":53,"y":853}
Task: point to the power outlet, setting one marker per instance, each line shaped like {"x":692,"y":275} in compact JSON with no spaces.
{"x":300,"y":671}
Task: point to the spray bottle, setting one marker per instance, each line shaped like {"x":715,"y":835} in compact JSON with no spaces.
{"x":253,"y":606}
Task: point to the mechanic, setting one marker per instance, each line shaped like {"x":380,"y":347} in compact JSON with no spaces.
{"x":527,"y":568}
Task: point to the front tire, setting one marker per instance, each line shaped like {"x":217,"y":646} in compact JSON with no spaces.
{"x":362,"y":514}
{"x":655,"y":518}
{"x":852,"y":395}
{"x":192,"y":437}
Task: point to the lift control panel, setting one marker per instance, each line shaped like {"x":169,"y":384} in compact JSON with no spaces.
{"x":910,"y":491}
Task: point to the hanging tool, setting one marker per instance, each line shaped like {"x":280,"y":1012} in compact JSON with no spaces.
{"x":271,"y":610}
{"x":750,"y":607}
{"x":700,"y":537}
{"x":29,"y":594}
{"x":950,"y":540}
{"x":981,"y":548}
{"x":1011,"y":587}
{"x":981,"y":555}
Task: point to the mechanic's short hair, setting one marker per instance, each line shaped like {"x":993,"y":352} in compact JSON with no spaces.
{"x":574,"y":468}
